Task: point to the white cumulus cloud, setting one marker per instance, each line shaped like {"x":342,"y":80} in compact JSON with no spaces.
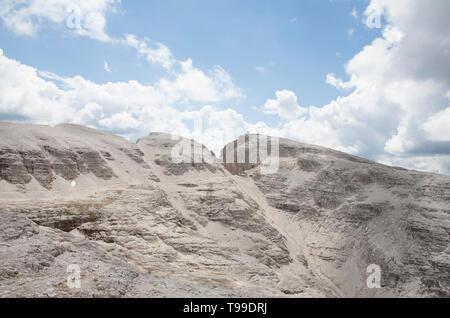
{"x":398,"y":110}
{"x":160,"y":54}
{"x":285,"y":105}
{"x":83,"y":17}
{"x":126,"y":108}
{"x":437,"y":126}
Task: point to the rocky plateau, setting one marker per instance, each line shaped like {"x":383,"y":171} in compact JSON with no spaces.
{"x":140,"y":223}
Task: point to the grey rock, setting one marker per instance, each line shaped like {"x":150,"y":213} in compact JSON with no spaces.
{"x":141,"y":224}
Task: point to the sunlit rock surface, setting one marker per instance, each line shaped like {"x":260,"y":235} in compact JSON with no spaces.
{"x":154,"y":220}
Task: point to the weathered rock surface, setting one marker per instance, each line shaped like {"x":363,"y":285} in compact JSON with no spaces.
{"x":350,"y":212}
{"x":177,"y":155}
{"x":44,"y":153}
{"x":155,"y":219}
{"x":34,"y":262}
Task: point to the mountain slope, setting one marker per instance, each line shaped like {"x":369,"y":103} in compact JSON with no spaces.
{"x":346,"y":213}
{"x":308,"y":230}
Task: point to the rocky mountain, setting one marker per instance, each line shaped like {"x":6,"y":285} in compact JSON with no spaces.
{"x":165,"y":217}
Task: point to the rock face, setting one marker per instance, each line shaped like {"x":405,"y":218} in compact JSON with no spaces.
{"x":34,"y":262}
{"x":351,"y":212}
{"x":66,"y":151}
{"x":248,"y":152}
{"x":164,"y":217}
{"x":177,"y":155}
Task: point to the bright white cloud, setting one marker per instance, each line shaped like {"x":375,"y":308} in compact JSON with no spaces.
{"x":437,"y":126}
{"x":130,"y":108}
{"x":160,"y":54}
{"x":285,"y":106}
{"x":339,"y":83}
{"x":80,"y":17}
{"x":315,"y":132}
{"x":83,"y":17}
{"x":215,"y":128}
{"x":193,"y":84}
{"x":398,"y":112}
{"x":127,"y":108}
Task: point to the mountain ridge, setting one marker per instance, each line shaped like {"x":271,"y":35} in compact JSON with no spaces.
{"x":311,"y":229}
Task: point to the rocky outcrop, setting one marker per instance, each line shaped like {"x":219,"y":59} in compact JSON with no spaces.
{"x":245,"y":153}
{"x":34,"y":262}
{"x":164,"y":217}
{"x":12,"y":167}
{"x":179,"y":155}
{"x":353,"y":212}
{"x":64,"y":151}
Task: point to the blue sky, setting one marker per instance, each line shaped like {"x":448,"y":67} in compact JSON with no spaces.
{"x":264,"y":45}
{"x":315,"y":71}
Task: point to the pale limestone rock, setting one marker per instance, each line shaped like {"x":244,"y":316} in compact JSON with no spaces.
{"x":140,"y":222}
